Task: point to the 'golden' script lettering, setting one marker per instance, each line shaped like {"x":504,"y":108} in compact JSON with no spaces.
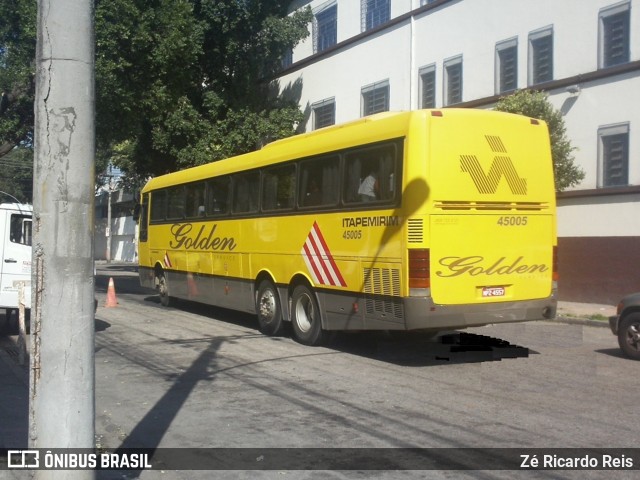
{"x":203,"y":239}
{"x":475,"y":265}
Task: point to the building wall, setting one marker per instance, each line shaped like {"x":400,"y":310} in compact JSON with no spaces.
{"x":599,"y":228}
{"x":123,"y":228}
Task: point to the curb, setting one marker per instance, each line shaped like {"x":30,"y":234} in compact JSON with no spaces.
{"x":582,"y":321}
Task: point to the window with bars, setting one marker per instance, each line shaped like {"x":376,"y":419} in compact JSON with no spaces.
{"x":453,"y":81}
{"x":540,"y":56}
{"x":428,"y":87}
{"x":614,"y":35}
{"x":507,"y":66}
{"x":374,"y":13}
{"x":324,"y":113}
{"x":375,"y":98}
{"x":325,"y":28}
{"x":614,"y":155}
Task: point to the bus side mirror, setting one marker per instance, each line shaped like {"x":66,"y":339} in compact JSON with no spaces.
{"x":136,"y":213}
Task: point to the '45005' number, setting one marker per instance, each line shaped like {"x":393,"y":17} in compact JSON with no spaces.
{"x":512,"y":221}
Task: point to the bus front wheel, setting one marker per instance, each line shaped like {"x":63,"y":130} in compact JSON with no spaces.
{"x":305,"y":316}
{"x":163,"y":290}
{"x":268,"y":309}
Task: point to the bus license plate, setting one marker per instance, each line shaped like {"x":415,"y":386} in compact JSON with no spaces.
{"x":493,"y":292}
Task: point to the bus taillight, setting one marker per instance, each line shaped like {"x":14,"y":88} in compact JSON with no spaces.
{"x":556,"y":274}
{"x":419,"y":271}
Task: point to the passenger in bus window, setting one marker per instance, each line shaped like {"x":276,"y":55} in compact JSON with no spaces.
{"x":314,"y":195}
{"x":368,"y":190}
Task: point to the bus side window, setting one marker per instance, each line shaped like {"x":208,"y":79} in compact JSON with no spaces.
{"x":320,"y":182}
{"x":371,"y":174}
{"x":195,"y":200}
{"x":278,"y":188}
{"x":175,"y":203}
{"x":158,"y":205}
{"x":246,"y":188}
{"x":218,"y":196}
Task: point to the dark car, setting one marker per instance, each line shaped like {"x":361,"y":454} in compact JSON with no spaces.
{"x":626,"y":325}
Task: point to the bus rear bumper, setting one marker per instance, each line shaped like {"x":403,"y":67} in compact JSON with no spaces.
{"x":422,"y":313}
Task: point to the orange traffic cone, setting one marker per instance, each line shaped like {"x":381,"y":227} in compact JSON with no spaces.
{"x":192,"y":286}
{"x":111,"y":295}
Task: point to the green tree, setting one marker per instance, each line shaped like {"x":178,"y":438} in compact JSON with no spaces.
{"x":535,"y":104}
{"x":17,"y":175}
{"x":189,"y":81}
{"x":178,"y":82}
{"x":17,"y":63}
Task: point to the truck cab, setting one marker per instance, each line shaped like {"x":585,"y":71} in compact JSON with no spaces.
{"x":15,"y":255}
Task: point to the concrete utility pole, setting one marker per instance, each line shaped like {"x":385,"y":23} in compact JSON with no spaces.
{"x":62,"y":407}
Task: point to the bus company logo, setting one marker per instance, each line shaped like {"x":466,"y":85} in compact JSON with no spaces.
{"x":205,"y":238}
{"x":476,"y":265}
{"x":319,"y":260}
{"x":502,"y":166}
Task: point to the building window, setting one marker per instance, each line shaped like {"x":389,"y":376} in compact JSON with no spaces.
{"x":325,"y":28}
{"x":324,"y":113}
{"x":614,"y":35}
{"x":507,"y":66}
{"x":540,"y":56}
{"x":453,"y":81}
{"x":428,"y":87}
{"x":375,"y":98}
{"x":287,"y":59}
{"x":374,"y":13}
{"x":613,"y":155}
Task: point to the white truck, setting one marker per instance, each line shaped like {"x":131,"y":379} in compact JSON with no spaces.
{"x":15,"y":260}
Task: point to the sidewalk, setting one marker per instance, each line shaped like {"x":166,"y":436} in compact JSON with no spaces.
{"x":585,"y":313}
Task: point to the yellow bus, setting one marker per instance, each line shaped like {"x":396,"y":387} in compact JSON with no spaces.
{"x":423,"y":220}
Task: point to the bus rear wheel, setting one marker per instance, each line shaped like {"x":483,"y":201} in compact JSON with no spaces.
{"x":268,"y":309}
{"x":305,"y":316}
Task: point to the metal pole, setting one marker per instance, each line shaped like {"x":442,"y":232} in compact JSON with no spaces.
{"x":108,"y":231}
{"x":62,"y":405}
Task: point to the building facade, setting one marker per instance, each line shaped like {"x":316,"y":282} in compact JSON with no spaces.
{"x":121,"y":233}
{"x":367,"y":56}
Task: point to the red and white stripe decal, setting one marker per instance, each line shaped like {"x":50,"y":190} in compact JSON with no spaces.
{"x":167,"y":262}
{"x":319,"y":261}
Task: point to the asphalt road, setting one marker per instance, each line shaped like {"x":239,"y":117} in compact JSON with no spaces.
{"x":198,"y":377}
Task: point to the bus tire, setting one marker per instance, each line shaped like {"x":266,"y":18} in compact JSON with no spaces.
{"x":268,"y":309}
{"x":305,"y":317}
{"x":163,"y":289}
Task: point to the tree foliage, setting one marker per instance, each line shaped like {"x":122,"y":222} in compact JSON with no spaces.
{"x":185,"y":82}
{"x":178,"y":82}
{"x":17,"y":175}
{"x":535,"y":104}
{"x":17,"y":64}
